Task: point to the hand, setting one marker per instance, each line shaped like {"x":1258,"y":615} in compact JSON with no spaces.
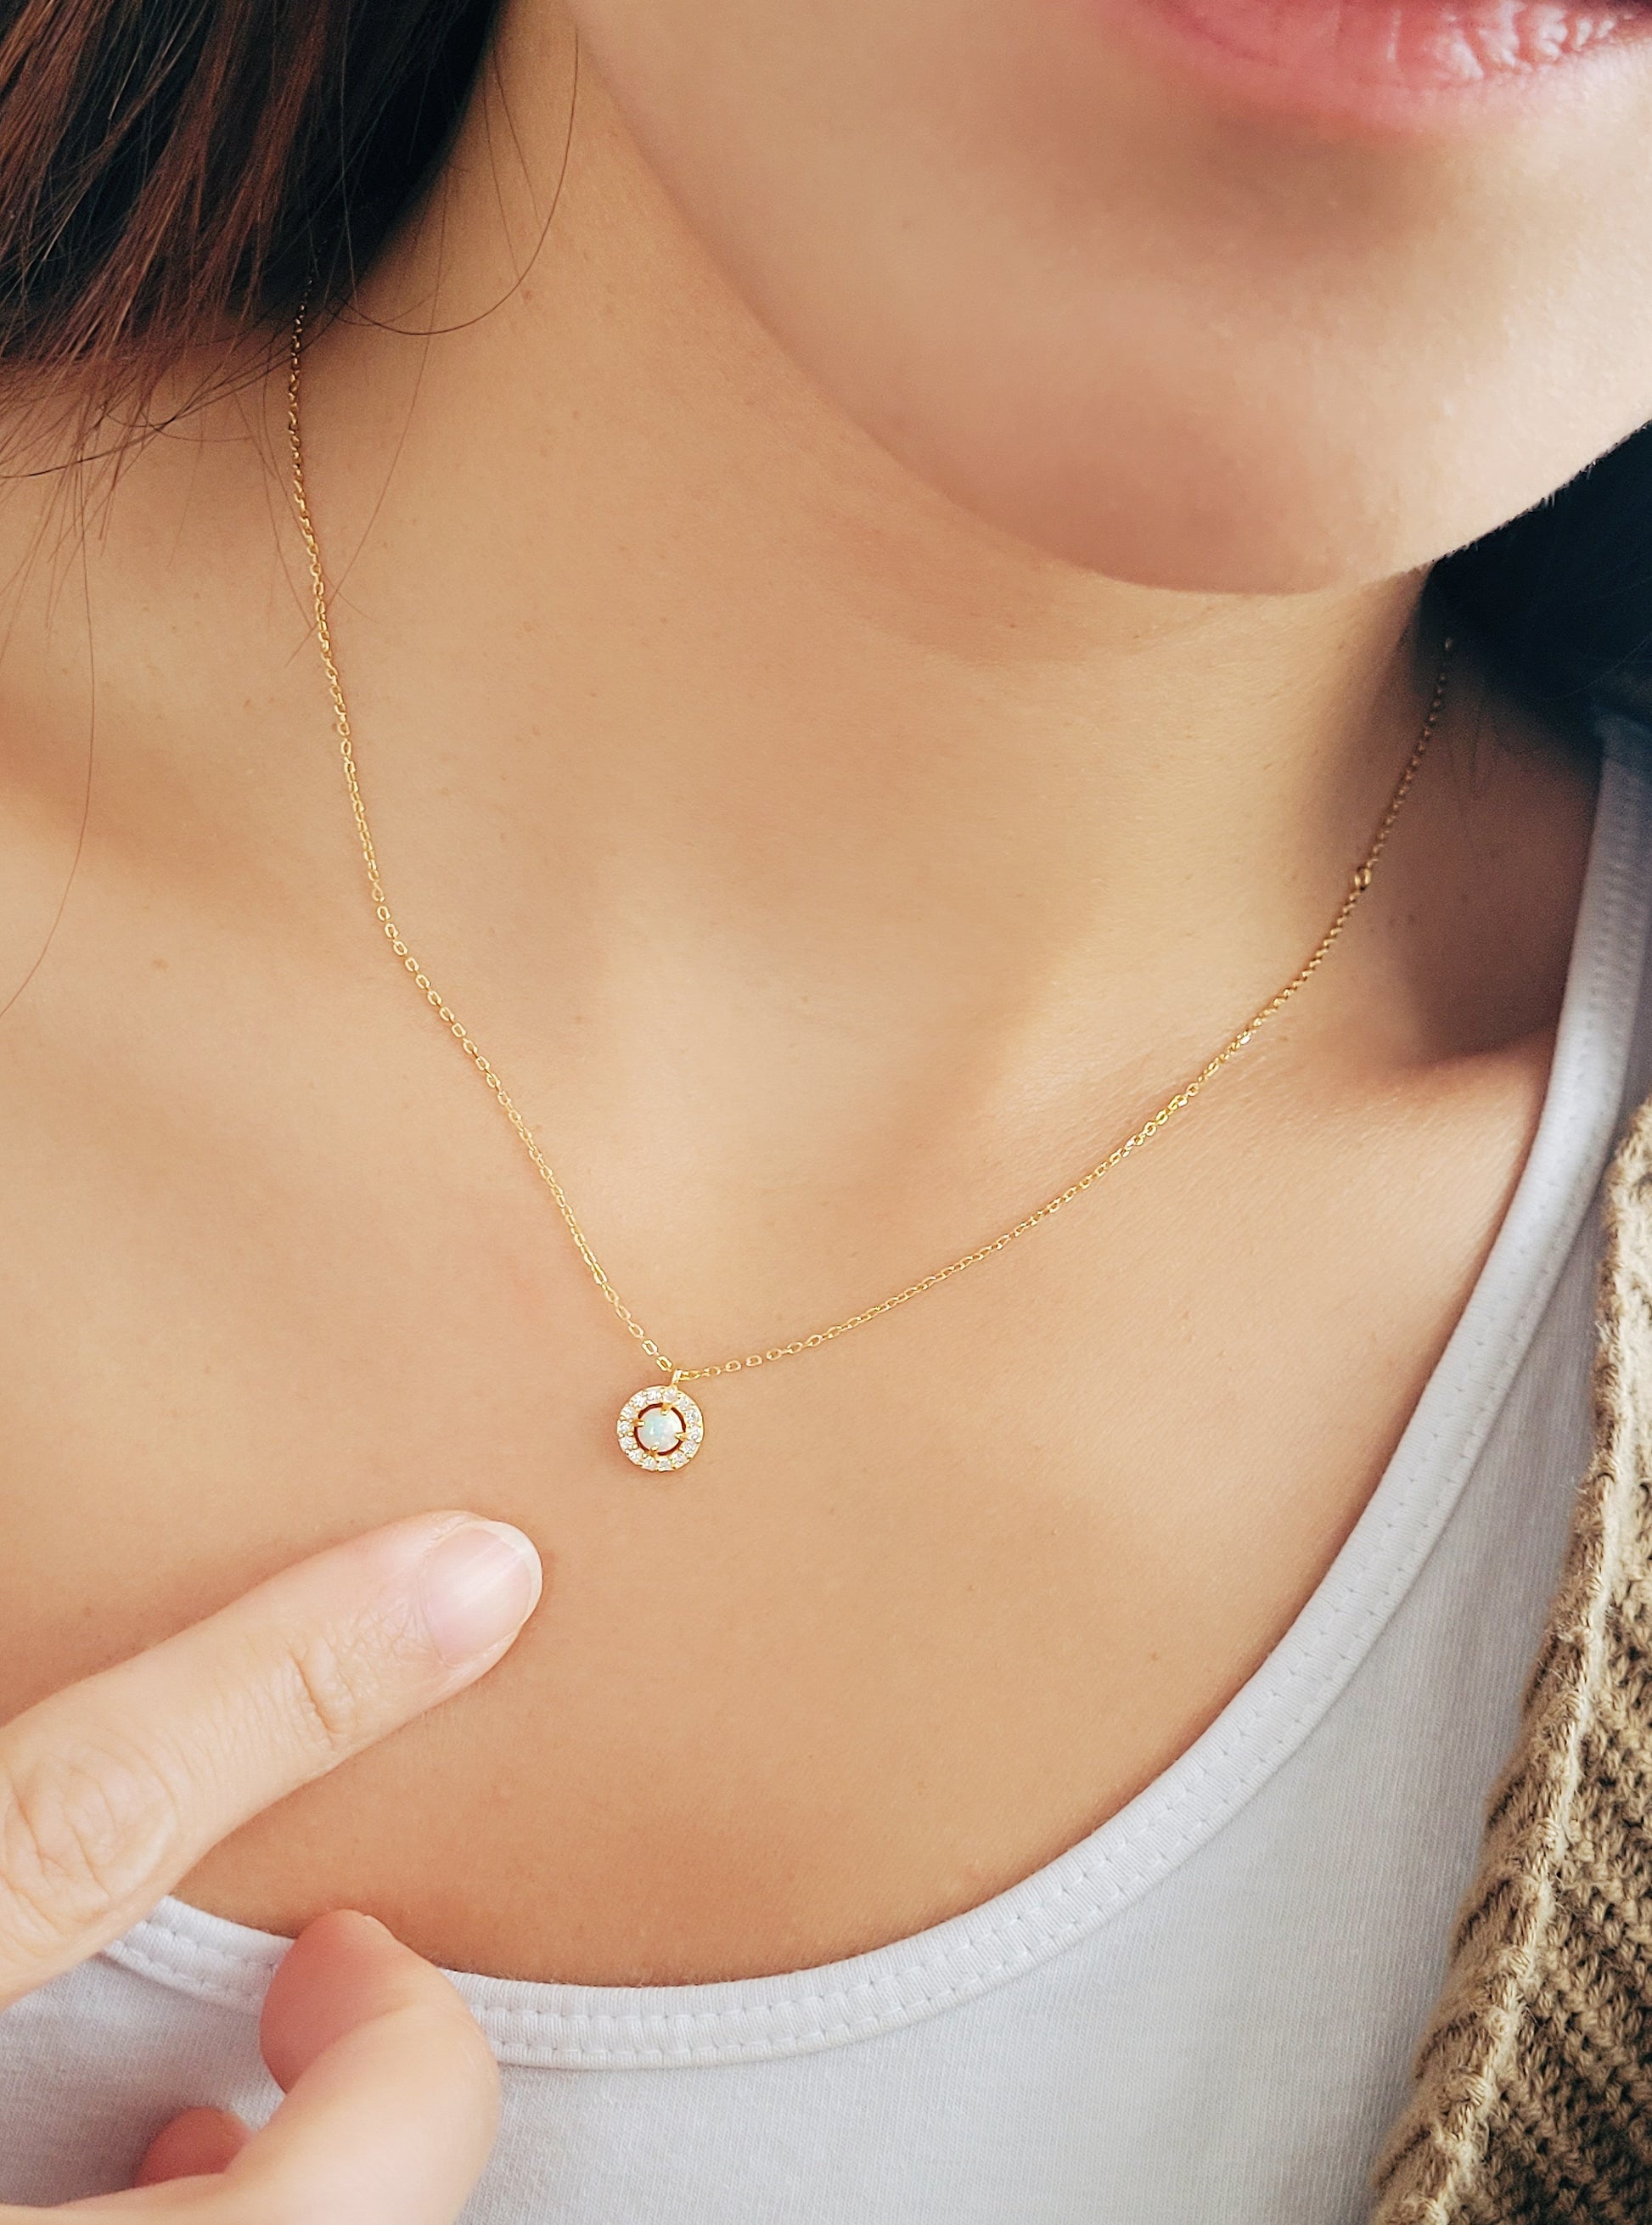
{"x":112,"y":1790}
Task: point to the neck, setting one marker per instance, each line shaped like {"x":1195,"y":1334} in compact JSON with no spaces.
{"x":746,"y":663}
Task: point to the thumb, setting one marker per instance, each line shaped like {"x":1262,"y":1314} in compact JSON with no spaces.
{"x":195,"y":2146}
{"x":392,"y":2092}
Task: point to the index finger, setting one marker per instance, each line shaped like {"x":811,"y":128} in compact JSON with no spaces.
{"x":112,"y":1790}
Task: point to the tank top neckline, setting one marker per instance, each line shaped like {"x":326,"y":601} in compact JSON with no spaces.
{"x":1070,"y":1898}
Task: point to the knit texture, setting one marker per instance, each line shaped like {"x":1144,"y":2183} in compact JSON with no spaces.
{"x":1532,"y":2080}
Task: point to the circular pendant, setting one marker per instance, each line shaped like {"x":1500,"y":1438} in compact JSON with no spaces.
{"x":661,"y":1428}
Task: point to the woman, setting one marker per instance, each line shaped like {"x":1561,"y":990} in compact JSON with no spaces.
{"x":899,"y":584}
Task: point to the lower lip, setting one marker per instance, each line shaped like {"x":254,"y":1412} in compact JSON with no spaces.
{"x":1385,"y":64}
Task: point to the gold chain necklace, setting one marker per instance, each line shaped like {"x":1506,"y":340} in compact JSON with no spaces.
{"x":661,"y":1426}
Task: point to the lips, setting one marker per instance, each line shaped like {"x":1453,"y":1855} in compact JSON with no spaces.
{"x":1411,"y":43}
{"x":1394,"y":61}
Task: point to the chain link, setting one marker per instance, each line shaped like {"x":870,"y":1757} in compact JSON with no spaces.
{"x":1149,"y":1128}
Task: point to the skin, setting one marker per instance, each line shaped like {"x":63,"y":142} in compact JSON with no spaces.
{"x":857,"y":698}
{"x":110,"y":1790}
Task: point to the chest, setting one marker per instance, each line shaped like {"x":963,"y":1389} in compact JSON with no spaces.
{"x":1280,"y":1907}
{"x":929,"y":1605}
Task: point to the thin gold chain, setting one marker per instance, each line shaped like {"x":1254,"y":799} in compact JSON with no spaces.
{"x":444,"y":1012}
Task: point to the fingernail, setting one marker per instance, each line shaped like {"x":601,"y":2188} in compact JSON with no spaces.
{"x":479,"y":1585}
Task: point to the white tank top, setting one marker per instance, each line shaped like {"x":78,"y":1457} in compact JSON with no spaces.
{"x":1205,"y":2010}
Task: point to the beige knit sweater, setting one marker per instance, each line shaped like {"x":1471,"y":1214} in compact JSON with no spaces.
{"x":1532,"y":2081}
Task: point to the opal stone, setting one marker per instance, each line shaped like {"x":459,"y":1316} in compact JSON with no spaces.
{"x":659,"y":1429}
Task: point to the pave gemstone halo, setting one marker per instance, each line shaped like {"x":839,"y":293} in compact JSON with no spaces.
{"x":660,"y":1427}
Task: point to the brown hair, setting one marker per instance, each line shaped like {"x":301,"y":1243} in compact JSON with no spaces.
{"x":173,"y":172}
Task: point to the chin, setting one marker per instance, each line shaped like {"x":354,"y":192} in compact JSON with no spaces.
{"x":1212,"y":501}
{"x":1161,"y":334}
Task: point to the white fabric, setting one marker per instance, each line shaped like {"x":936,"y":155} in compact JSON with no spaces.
{"x":1206,"y":2010}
